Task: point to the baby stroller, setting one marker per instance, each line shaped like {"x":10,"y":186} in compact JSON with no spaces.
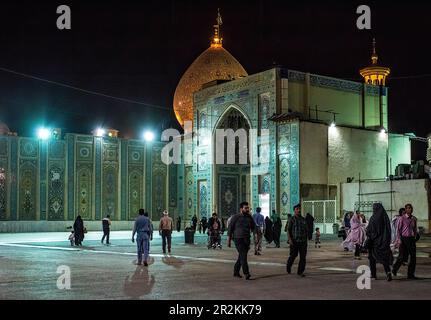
{"x":214,"y":239}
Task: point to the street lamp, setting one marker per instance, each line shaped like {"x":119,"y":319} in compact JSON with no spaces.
{"x":148,"y":136}
{"x":99,"y":132}
{"x":43,"y":133}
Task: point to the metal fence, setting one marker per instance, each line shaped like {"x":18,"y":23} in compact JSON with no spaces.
{"x":324,"y":213}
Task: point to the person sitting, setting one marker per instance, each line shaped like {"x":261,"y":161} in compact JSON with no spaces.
{"x":214,"y":230}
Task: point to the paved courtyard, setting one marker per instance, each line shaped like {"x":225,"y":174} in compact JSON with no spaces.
{"x":29,"y":262}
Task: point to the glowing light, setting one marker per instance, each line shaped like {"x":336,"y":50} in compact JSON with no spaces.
{"x":382,"y":131}
{"x":148,"y":136}
{"x":43,"y":133}
{"x":99,"y":132}
{"x":332,"y":125}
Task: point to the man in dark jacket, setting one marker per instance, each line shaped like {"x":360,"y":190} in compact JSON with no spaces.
{"x":297,"y":233}
{"x":106,"y":226}
{"x":240,"y":228}
{"x":205,"y":224}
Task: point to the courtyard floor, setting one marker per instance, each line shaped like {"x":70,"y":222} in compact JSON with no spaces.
{"x":29,"y":262}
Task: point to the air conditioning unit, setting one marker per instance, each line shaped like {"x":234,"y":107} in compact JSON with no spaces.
{"x":402,"y":169}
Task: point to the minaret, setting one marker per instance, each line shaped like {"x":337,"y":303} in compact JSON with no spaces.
{"x":375,"y":74}
{"x":217,"y":40}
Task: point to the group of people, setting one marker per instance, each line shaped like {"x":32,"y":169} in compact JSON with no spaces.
{"x":243,"y":224}
{"x":382,"y":238}
{"x":272,"y":228}
{"x":143,"y":228}
{"x":377,"y":236}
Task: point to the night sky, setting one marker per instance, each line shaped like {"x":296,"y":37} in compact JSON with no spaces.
{"x":138,"y":50}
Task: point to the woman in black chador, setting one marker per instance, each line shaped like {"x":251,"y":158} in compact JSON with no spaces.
{"x":179,"y":224}
{"x":78,"y":228}
{"x":310,"y":225}
{"x":269,"y":232}
{"x":379,"y":240}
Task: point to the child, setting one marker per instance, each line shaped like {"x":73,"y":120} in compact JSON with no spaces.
{"x":317,"y":238}
{"x":72,"y":238}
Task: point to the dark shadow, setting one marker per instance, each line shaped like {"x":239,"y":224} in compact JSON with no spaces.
{"x":139,"y":284}
{"x":172,"y":261}
{"x":419,"y":279}
{"x":150,"y":261}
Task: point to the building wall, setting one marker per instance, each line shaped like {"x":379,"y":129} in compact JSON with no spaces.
{"x":347,"y":104}
{"x":416,"y":192}
{"x":399,"y":151}
{"x":348,"y":99}
{"x":313,"y":153}
{"x":355,"y":151}
{"x":56,"y":180}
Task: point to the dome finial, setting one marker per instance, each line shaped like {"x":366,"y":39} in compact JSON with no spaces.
{"x":217,"y":41}
{"x":374,"y":56}
{"x":375,"y":74}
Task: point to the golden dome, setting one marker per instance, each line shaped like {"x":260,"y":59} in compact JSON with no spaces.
{"x":215,"y":63}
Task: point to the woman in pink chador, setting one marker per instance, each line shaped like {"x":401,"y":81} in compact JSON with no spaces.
{"x":356,"y":236}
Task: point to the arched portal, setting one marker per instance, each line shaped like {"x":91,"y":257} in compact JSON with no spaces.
{"x":231,"y":172}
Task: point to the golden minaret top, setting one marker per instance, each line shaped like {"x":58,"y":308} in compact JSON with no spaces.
{"x":375,"y":74}
{"x":217,"y":40}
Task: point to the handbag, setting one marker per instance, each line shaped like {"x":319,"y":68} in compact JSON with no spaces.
{"x":417,"y":237}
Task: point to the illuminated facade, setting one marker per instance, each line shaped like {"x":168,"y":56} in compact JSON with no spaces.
{"x":322,"y":131}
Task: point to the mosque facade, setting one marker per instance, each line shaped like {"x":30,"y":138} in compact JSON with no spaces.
{"x":322,"y":131}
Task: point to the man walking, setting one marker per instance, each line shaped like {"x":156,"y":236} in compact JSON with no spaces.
{"x":240,"y":228}
{"x":407,"y":237}
{"x":259,"y":220}
{"x":144,"y":230}
{"x":106,"y":226}
{"x":165,"y":230}
{"x":297,"y":233}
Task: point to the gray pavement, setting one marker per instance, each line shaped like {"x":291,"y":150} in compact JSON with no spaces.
{"x":29,"y":262}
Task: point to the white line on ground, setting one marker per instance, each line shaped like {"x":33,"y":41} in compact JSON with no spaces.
{"x":134,"y":254}
{"x":255,"y":263}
